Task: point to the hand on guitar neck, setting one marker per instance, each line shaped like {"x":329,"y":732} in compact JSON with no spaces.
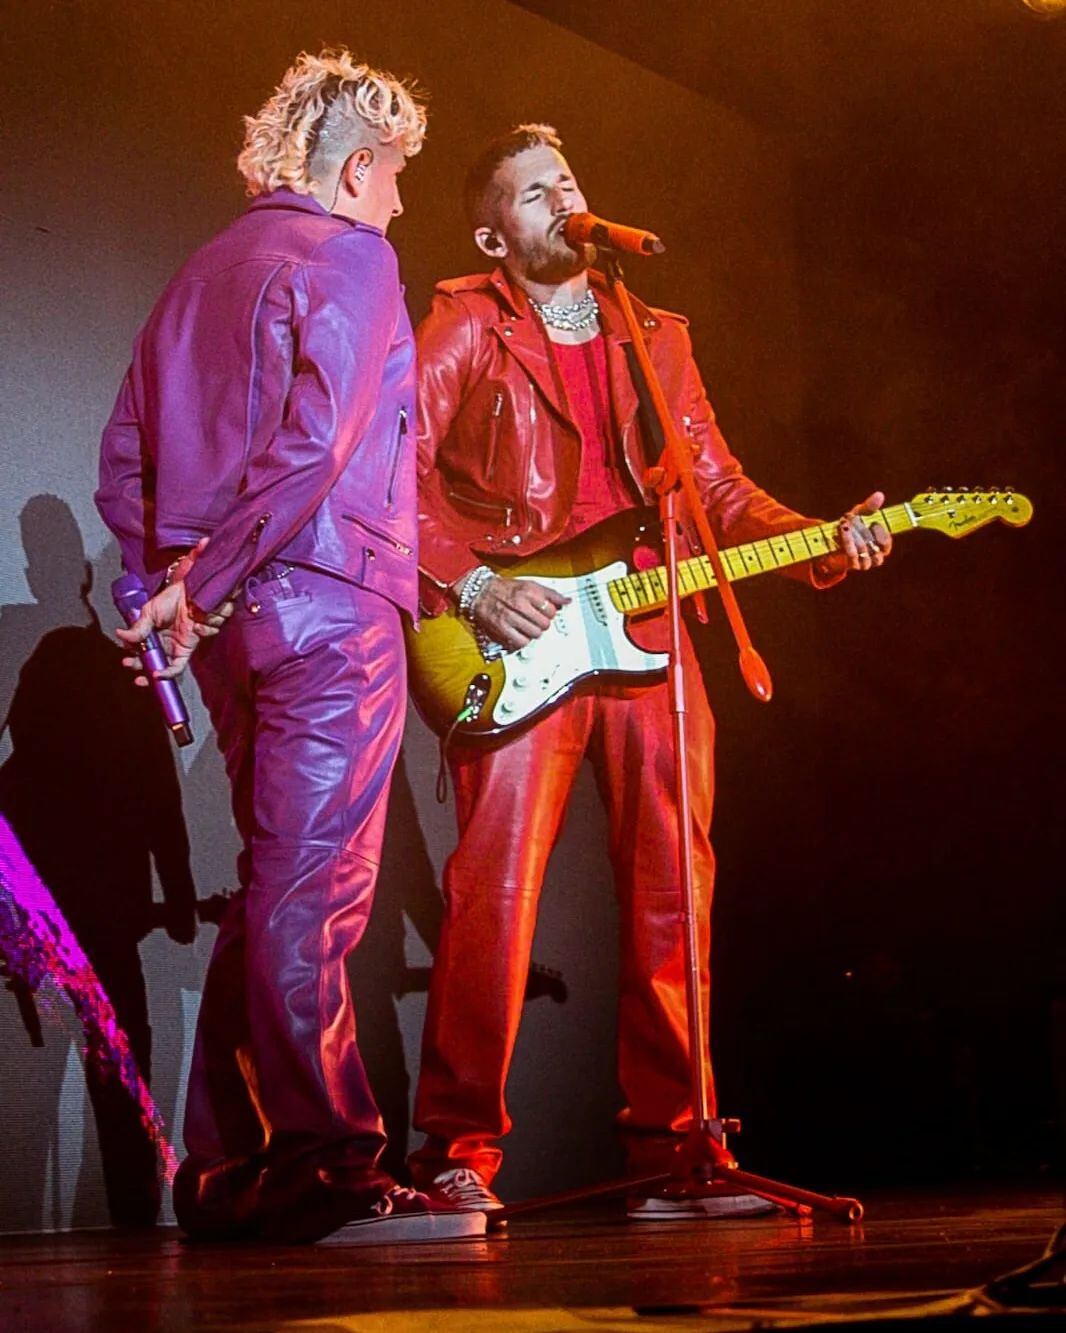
{"x":866,"y":547}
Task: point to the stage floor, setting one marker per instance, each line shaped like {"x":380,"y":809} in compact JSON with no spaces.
{"x":587,"y":1269}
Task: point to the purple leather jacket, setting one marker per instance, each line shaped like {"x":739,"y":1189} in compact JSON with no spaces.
{"x":267,"y":407}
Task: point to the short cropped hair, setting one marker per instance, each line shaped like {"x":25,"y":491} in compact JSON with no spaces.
{"x":324,"y":108}
{"x":479,"y":190}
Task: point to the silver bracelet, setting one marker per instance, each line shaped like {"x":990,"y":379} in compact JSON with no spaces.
{"x":472,"y":588}
{"x":490,"y":650}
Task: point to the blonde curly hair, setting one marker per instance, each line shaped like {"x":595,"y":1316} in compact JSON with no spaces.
{"x":324,"y":108}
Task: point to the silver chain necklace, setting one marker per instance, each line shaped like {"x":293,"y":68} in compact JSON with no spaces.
{"x":569,"y":318}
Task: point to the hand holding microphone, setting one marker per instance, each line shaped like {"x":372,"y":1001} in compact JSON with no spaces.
{"x":587,"y":229}
{"x":166,"y":628}
{"x":143,"y":616}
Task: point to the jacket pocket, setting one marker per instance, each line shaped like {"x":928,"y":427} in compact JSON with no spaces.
{"x":382,"y":536}
{"x":497,"y":509}
{"x":494,"y":435}
{"x":397,"y":450}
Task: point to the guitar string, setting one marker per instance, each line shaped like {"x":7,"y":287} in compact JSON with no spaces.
{"x":730,"y":556}
{"x":589,"y":592}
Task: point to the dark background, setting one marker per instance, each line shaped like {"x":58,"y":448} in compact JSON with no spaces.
{"x":864,"y":217}
{"x":900,"y":971}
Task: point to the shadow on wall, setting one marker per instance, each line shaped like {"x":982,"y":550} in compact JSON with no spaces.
{"x":92,"y":792}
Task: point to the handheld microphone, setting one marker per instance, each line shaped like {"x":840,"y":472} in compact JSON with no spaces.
{"x":587,"y":229}
{"x":129,"y":595}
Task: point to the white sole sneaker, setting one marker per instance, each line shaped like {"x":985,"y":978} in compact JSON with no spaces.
{"x":464,"y":1189}
{"x":698,"y":1208}
{"x":412,"y":1228}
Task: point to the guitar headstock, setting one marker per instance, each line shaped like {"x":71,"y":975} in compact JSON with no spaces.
{"x":959,"y":512}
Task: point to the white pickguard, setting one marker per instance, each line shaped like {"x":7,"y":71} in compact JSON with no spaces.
{"x":586,"y":637}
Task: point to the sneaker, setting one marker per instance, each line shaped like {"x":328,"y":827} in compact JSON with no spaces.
{"x":465,"y":1190}
{"x":716,"y":1201}
{"x":403,"y":1215}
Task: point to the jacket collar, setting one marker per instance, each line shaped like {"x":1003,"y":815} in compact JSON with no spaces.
{"x":291,"y":201}
{"x":521,"y":332}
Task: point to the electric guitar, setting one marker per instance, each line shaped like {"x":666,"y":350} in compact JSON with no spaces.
{"x":456,"y":689}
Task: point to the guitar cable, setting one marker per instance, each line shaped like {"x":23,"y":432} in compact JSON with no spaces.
{"x":473,"y":702}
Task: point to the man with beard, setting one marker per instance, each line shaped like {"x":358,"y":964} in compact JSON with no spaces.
{"x":529,"y":435}
{"x":261,"y":437}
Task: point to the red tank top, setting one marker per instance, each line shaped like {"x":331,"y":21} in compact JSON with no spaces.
{"x":601,"y":486}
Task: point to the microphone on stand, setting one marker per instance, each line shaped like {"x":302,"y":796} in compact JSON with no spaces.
{"x":587,"y":229}
{"x":129,"y":595}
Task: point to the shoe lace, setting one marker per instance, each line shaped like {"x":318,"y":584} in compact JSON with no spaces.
{"x":463,"y":1185}
{"x":389,"y":1200}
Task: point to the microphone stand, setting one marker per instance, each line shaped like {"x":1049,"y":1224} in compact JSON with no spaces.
{"x":702,"y":1159}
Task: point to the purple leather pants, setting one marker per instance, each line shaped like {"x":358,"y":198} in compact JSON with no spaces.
{"x":306,"y":688}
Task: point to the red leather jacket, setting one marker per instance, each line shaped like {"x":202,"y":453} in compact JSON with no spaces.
{"x":498,"y":451}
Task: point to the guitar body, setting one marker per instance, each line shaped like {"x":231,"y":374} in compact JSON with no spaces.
{"x":587,"y":638}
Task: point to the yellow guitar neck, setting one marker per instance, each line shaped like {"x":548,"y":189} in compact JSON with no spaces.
{"x":646,"y":588}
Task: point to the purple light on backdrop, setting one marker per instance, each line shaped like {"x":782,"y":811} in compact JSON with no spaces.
{"x":38,"y":950}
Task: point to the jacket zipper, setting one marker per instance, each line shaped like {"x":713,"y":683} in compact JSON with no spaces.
{"x":394,"y":542}
{"x":494,"y":434}
{"x":401,"y":431}
{"x":506,"y":510}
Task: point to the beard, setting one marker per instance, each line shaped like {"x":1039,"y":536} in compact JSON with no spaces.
{"x":551,"y":260}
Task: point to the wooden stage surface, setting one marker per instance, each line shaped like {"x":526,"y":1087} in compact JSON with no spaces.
{"x":586,"y":1269}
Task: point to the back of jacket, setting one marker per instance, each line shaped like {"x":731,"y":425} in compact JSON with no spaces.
{"x":267,"y":407}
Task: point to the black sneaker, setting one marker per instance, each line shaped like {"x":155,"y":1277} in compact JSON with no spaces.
{"x":401,"y":1216}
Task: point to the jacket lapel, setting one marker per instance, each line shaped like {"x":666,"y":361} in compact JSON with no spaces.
{"x":521,"y":336}
{"x":525,"y":341}
{"x":519,"y":333}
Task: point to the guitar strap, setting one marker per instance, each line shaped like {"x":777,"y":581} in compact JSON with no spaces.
{"x":651,"y":433}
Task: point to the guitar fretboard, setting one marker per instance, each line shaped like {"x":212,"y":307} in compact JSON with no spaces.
{"x":646,"y":588}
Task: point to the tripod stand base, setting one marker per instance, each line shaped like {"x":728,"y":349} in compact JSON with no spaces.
{"x":702,"y":1161}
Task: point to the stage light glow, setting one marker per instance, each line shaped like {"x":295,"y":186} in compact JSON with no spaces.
{"x":1046,"y":9}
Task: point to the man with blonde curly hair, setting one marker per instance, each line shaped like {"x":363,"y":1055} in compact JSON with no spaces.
{"x":258,"y":472}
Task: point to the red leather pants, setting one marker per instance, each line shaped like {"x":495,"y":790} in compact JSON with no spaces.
{"x":510,"y":800}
